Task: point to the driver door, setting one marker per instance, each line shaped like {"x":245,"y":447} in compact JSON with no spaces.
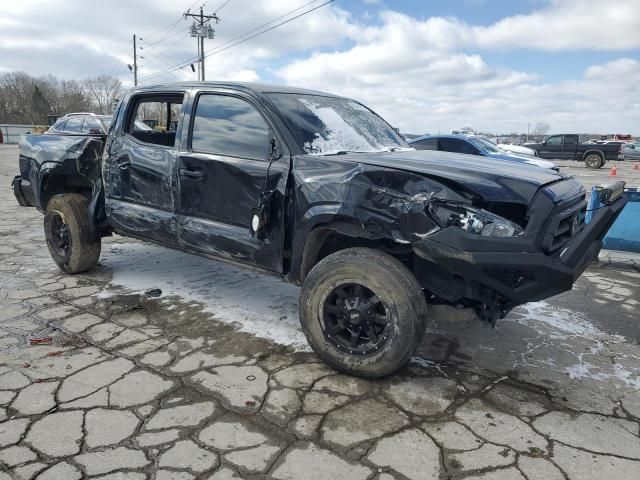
{"x":552,"y":147}
{"x":222,"y":170}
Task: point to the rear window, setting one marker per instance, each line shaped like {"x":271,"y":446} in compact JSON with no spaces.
{"x":59,"y":125}
{"x":457,"y":146}
{"x":426,"y":144}
{"x":92,"y":125}
{"x":74,"y":125}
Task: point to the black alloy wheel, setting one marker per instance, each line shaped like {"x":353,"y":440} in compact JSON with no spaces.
{"x":355,"y":320}
{"x":60,"y":235}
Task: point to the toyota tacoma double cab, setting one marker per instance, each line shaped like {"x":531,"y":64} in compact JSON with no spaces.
{"x":321,"y":191}
{"x":572,"y":147}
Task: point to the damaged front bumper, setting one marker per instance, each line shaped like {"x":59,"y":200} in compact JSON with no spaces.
{"x":494,"y":277}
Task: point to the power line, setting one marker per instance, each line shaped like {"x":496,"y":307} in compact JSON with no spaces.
{"x":268,"y":23}
{"x":224,"y":4}
{"x":241,"y":38}
{"x":170,"y":27}
{"x":168,"y":62}
{"x":218,"y":50}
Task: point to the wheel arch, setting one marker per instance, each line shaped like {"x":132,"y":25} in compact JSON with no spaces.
{"x":54,"y":180}
{"x":592,"y":151}
{"x":329,"y":236}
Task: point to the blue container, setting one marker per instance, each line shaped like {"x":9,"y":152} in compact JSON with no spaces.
{"x":624,"y":234}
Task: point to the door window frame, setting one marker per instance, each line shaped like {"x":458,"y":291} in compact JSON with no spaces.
{"x":132,"y":106}
{"x":561,"y":137}
{"x":225,"y":93}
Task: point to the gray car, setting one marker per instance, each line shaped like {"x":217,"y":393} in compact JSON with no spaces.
{"x":630,"y":151}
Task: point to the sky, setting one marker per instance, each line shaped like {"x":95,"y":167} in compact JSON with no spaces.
{"x":426,"y":66}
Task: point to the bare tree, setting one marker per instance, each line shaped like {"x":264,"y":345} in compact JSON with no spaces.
{"x":541,"y":129}
{"x":103,"y":91}
{"x":28,"y":100}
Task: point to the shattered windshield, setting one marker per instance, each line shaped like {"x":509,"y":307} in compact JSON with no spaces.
{"x":329,"y":125}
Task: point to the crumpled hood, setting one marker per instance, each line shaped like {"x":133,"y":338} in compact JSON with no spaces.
{"x":494,"y":180}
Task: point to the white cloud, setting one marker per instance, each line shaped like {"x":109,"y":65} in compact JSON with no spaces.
{"x":567,"y":25}
{"x":37,"y":35}
{"x":428,"y":74}
{"x":420,"y":76}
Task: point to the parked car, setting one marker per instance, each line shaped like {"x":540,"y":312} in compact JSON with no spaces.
{"x":630,"y":151}
{"x":84,"y":123}
{"x":321,"y":191}
{"x":571,"y":147}
{"x":509,"y":147}
{"x":474,"y":145}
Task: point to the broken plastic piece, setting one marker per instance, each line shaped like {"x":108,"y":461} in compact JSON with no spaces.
{"x":41,"y":341}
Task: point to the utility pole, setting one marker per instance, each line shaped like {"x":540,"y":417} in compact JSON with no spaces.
{"x":134,"y":68}
{"x":201,"y":29}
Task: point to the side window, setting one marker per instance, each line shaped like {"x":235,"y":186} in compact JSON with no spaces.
{"x":59,"y":125}
{"x":92,"y":123}
{"x":557,"y":140}
{"x":231,"y":126}
{"x":570,"y":139}
{"x":74,"y":125}
{"x":426,"y":144}
{"x":457,"y":146}
{"x":154,"y":119}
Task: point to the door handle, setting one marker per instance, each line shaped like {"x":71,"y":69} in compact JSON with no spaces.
{"x":192,"y":174}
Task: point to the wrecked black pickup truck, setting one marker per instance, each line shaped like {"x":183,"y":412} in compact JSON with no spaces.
{"x":319,"y":190}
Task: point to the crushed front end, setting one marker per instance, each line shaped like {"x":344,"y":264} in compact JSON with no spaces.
{"x":492,"y":269}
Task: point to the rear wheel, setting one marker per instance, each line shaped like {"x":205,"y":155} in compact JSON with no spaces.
{"x":363,"y":312}
{"x":593,"y":161}
{"x":71,"y":241}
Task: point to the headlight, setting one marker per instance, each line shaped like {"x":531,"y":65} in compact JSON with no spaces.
{"x":473,"y":220}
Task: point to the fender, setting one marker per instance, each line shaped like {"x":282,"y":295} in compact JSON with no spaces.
{"x":84,"y":167}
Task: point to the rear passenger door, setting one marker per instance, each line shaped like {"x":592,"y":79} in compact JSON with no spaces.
{"x":141,"y":185}
{"x":222,"y":170}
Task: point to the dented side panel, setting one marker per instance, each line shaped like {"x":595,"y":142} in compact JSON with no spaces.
{"x":47,"y":160}
{"x":360,"y":200}
{"x":141,"y":189}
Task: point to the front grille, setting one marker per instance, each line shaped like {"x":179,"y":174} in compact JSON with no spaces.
{"x":565,"y":224}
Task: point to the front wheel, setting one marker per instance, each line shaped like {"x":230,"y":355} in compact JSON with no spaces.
{"x":72,"y":243}
{"x":363,"y":312}
{"x":593,"y":161}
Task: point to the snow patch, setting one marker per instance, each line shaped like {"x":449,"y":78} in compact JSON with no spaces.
{"x":258,"y":303}
{"x":556,"y":322}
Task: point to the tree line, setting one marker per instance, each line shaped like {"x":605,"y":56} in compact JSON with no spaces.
{"x":25,"y":99}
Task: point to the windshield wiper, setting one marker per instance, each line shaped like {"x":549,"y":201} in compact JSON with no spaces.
{"x":343,"y":152}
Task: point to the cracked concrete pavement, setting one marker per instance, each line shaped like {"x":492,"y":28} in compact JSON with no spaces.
{"x":139,"y":387}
